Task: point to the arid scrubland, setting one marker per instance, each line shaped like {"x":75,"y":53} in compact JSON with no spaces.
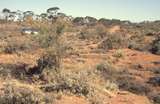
{"x":56,"y":58}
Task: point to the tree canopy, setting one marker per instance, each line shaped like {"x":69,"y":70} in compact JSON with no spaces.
{"x":53,"y":10}
{"x":5,"y":10}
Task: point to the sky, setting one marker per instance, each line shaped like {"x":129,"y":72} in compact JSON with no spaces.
{"x":133,"y":10}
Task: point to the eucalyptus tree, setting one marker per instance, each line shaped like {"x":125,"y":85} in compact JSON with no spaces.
{"x":28,"y":14}
{"x":43,"y":16}
{"x":6,"y":12}
{"x":12,"y":16}
{"x":90,"y":20}
{"x":61,"y":14}
{"x":52,"y":12}
{"x":20,"y":15}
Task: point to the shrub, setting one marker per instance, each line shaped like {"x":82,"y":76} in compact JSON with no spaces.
{"x":156,"y":46}
{"x":79,"y":21}
{"x":51,"y":40}
{"x":155,"y":97}
{"x":14,"y":70}
{"x":13,"y":46}
{"x":16,"y":93}
{"x":155,"y":81}
{"x":96,"y":32}
{"x":50,"y":59}
{"x":157,"y":70}
{"x":97,"y":99}
{"x":105,"y":22}
{"x":154,"y":70}
{"x":80,"y":83}
{"x":71,"y":82}
{"x":90,"y":20}
{"x":118,"y":54}
{"x":111,"y":86}
{"x":131,"y":85}
{"x":45,"y":41}
{"x":114,"y":41}
{"x":122,"y":79}
{"x":107,"y":70}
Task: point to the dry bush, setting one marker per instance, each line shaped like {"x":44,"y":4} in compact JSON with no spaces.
{"x":14,"y":70}
{"x":138,"y":42}
{"x":79,"y":21}
{"x":155,"y":97}
{"x":133,"y":86}
{"x":156,"y":46}
{"x":50,"y":34}
{"x":15,"y":93}
{"x":97,"y":99}
{"x":21,"y":71}
{"x":51,"y":39}
{"x":71,"y":82}
{"x":93,"y":32}
{"x":14,"y":46}
{"x":118,"y":53}
{"x":80,"y":83}
{"x":122,"y":78}
{"x":156,"y":70}
{"x":49,"y":60}
{"x":107,"y":70}
{"x":114,"y":41}
{"x":139,"y":33}
{"x":154,"y":81}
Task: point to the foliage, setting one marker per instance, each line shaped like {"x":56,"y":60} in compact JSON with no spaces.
{"x":118,"y":54}
{"x":155,"y":97}
{"x":97,"y":32}
{"x":114,"y":41}
{"x":156,"y":46}
{"x":79,"y":21}
{"x":14,"y":47}
{"x":51,"y":39}
{"x":50,"y":59}
{"x":15,"y":93}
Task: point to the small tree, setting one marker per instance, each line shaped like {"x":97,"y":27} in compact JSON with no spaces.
{"x":6,"y":13}
{"x":79,"y":20}
{"x":53,"y":13}
{"x":53,"y":10}
{"x":12,"y":15}
{"x":28,"y":16}
{"x":43,"y":15}
{"x":20,"y":16}
{"x":55,"y":50}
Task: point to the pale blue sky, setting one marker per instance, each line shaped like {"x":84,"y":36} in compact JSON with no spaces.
{"x":134,"y":10}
